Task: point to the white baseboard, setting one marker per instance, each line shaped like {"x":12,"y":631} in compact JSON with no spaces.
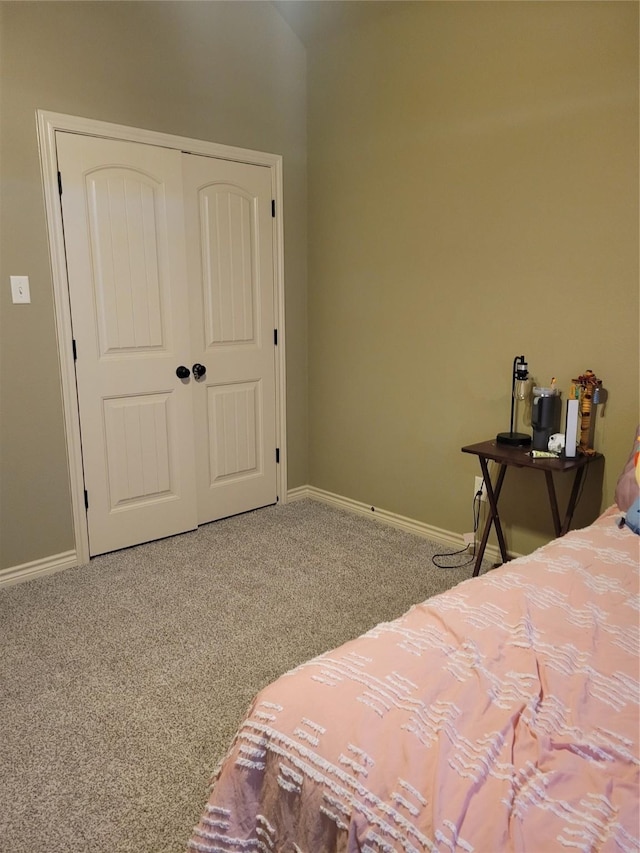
{"x":68,"y":559}
{"x":436,"y":534}
{"x":37,"y":568}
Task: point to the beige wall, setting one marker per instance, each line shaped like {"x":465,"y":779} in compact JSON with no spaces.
{"x":233,"y":73}
{"x":473,"y":195}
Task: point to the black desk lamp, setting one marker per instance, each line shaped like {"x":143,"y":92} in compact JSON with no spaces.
{"x":520,"y":375}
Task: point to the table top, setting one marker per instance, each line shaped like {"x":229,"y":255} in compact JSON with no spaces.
{"x":520,"y":457}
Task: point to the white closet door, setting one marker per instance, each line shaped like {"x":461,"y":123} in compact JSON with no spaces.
{"x":229,"y":233}
{"x":123,"y":216}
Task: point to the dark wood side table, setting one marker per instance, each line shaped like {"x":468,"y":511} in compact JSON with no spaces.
{"x":519,"y":457}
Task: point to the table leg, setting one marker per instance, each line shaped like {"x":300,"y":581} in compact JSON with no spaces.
{"x":494,"y":518}
{"x":553,"y":501}
{"x":568,"y":516}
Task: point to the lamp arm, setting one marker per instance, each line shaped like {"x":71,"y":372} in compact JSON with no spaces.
{"x":513,"y":393}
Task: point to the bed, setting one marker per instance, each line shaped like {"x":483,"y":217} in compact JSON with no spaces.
{"x":501,"y":715}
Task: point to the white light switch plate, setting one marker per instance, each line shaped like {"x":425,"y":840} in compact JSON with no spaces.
{"x":20,"y":288}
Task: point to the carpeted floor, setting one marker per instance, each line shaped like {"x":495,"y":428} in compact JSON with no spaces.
{"x":122,"y":682}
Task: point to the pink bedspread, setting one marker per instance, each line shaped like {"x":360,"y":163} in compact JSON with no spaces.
{"x":502,"y":715}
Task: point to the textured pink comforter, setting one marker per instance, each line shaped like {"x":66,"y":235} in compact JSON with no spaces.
{"x":502,"y":715}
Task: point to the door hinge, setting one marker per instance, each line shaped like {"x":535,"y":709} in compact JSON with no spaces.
{"x":275,"y":337}
{"x":277,"y":455}
{"x":59,"y":183}
{"x":273,"y":206}
{"x":86,"y":499}
{"x":75,"y":350}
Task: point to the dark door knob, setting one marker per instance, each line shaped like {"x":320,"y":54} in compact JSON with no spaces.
{"x":182,"y":372}
{"x":199,"y":370}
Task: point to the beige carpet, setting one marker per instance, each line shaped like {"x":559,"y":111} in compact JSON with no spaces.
{"x":122,"y":682}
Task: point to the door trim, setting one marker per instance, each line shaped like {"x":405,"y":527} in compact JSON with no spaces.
{"x":47,"y":125}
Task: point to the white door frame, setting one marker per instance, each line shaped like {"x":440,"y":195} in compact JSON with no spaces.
{"x":47,"y":124}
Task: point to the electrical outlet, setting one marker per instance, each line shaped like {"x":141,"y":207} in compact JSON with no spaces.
{"x":468,"y":538}
{"x":480,"y":487}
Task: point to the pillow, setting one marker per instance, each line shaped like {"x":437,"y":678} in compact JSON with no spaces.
{"x":628,"y":486}
{"x":633,"y":516}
